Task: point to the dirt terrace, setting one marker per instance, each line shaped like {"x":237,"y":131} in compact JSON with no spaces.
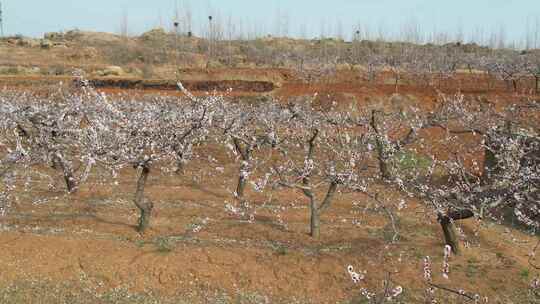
{"x":83,"y":248}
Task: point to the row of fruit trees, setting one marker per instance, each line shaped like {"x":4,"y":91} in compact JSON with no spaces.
{"x":490,"y":159}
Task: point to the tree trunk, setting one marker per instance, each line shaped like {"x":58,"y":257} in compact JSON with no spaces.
{"x":490,"y":162}
{"x":460,"y":214}
{"x":384,"y":167}
{"x":245,"y":153}
{"x":315,"y":209}
{"x":179,"y":170}
{"x":315,"y":224}
{"x":509,"y":84}
{"x":329,"y":196}
{"x":490,"y":167}
{"x":60,"y":163}
{"x":449,"y":230}
{"x":315,"y":221}
{"x":382,"y":157}
{"x":242,"y":180}
{"x":145,"y":206}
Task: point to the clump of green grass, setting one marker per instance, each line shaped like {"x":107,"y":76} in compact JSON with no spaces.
{"x":524,"y":273}
{"x":163,"y":245}
{"x":408,"y":160}
{"x":473,"y":268}
{"x":10,"y":70}
{"x":279,"y":248}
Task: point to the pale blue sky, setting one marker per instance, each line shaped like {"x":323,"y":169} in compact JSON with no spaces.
{"x":483,"y":17}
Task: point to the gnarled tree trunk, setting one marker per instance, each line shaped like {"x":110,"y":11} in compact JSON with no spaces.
{"x":245,"y":153}
{"x":396,"y":84}
{"x":242,"y":180}
{"x":490,"y":165}
{"x":145,"y":206}
{"x":315,"y":219}
{"x":60,"y":163}
{"x":449,"y":229}
{"x":179,"y":170}
{"x":385,"y":167}
{"x":316,"y":209}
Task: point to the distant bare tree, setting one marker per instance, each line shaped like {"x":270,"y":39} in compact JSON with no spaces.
{"x":446,"y":63}
{"x":396,"y":60}
{"x":124,"y":24}
{"x":532,"y":68}
{"x":510,"y":69}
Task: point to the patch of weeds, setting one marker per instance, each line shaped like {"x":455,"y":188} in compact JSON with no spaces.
{"x":424,"y":231}
{"x":412,"y":230}
{"x":506,"y":261}
{"x":389,"y":234}
{"x":11,"y":70}
{"x":279,"y":248}
{"x":140,"y":243}
{"x":218,"y":298}
{"x":408,"y":160}
{"x":163,"y":245}
{"x":524,"y":273}
{"x":49,"y":292}
{"x":359,"y":299}
{"x":374,"y":232}
{"x":418,"y":254}
{"x":57,"y":69}
{"x":386,"y":232}
{"x":251,"y":298}
{"x":472,"y":268}
{"x":197,"y":225}
{"x":337,"y":247}
{"x":362,"y":299}
{"x":85,"y":292}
